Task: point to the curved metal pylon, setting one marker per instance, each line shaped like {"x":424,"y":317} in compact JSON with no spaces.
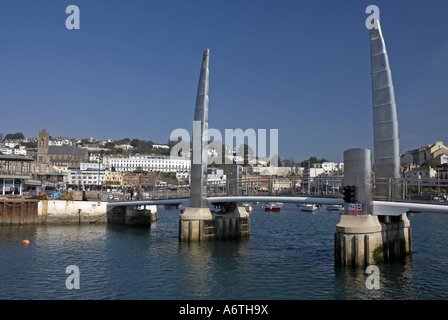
{"x":385,"y":121}
{"x":198,"y":182}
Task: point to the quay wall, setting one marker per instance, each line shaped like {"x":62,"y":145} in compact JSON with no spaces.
{"x":26,"y":211}
{"x":14,"y":212}
{"x":58,"y":211}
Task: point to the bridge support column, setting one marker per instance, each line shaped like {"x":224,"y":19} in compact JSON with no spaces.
{"x":233,"y":224}
{"x":358,"y":240}
{"x":196,"y":224}
{"x":199,"y":224}
{"x":362,"y":237}
{"x":370,"y":239}
{"x":132,"y":215}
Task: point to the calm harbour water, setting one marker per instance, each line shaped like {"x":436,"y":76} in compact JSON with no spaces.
{"x":288,"y":256}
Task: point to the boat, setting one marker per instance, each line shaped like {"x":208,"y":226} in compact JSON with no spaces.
{"x":177,"y":206}
{"x":335,"y":207}
{"x":309,"y":207}
{"x":273,"y":206}
{"x":249,"y":207}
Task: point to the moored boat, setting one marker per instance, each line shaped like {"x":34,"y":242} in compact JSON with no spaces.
{"x":309,"y":207}
{"x":335,"y":207}
{"x":248,"y":206}
{"x":273,"y":206}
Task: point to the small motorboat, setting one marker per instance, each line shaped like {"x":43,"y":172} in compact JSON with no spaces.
{"x":335,"y":207}
{"x":309,"y":207}
{"x":273,"y":206}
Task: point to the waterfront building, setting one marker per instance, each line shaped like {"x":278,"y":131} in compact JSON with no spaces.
{"x":136,"y":180}
{"x":150,"y":163}
{"x":114,"y":179}
{"x":13,"y":150}
{"x":14,"y":173}
{"x":130,"y":179}
{"x":147,"y":179}
{"x":87,"y":176}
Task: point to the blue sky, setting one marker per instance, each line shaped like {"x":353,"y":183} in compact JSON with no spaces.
{"x":302,"y":67}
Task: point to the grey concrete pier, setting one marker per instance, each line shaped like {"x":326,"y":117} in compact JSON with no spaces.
{"x":202,"y":225}
{"x":132,"y":215}
{"x":363,"y":238}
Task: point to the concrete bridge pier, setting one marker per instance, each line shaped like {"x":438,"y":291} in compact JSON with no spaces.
{"x":369,"y":239}
{"x":132,"y":215}
{"x":363,"y":238}
{"x":233,"y":224}
{"x":200,"y":224}
{"x":196,"y":224}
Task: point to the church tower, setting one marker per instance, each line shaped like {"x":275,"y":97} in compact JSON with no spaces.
{"x":42,"y":146}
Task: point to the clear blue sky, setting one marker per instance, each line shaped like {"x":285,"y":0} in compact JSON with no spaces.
{"x":302,"y":67}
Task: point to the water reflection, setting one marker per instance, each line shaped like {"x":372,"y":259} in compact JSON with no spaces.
{"x":213,"y":268}
{"x":395,"y":282}
{"x":288,"y":256}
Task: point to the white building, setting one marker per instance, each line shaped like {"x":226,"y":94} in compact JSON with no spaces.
{"x":124,"y":146}
{"x":86,"y":176}
{"x":329,"y":166}
{"x":60,"y":141}
{"x":216,"y":177}
{"x":151,"y":163}
{"x":442,"y":159}
{"x":160,"y":146}
{"x":182,"y":175}
{"x":328,"y":174}
{"x":91,"y":166}
{"x":12,"y":150}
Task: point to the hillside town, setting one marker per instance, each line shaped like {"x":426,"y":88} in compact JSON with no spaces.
{"x":31,"y":166}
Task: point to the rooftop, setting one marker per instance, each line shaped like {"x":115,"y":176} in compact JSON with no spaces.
{"x":14,"y":157}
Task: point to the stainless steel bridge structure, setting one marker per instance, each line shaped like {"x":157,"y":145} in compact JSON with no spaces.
{"x":358,"y":238}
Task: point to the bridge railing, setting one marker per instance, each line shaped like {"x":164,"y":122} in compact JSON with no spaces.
{"x":282,"y":186}
{"x":413,"y":189}
{"x":407,"y":189}
{"x":404,"y":189}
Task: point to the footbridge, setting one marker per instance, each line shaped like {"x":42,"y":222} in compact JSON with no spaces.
{"x":381,"y":208}
{"x":369,"y":231}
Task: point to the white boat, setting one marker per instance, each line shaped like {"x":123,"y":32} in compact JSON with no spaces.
{"x":309,"y":207}
{"x":249,"y":207}
{"x":335,"y":207}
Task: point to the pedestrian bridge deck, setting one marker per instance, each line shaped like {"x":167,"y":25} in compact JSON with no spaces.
{"x":379,"y":207}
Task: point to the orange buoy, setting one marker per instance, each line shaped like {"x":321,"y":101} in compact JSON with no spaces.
{"x":26,"y":242}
